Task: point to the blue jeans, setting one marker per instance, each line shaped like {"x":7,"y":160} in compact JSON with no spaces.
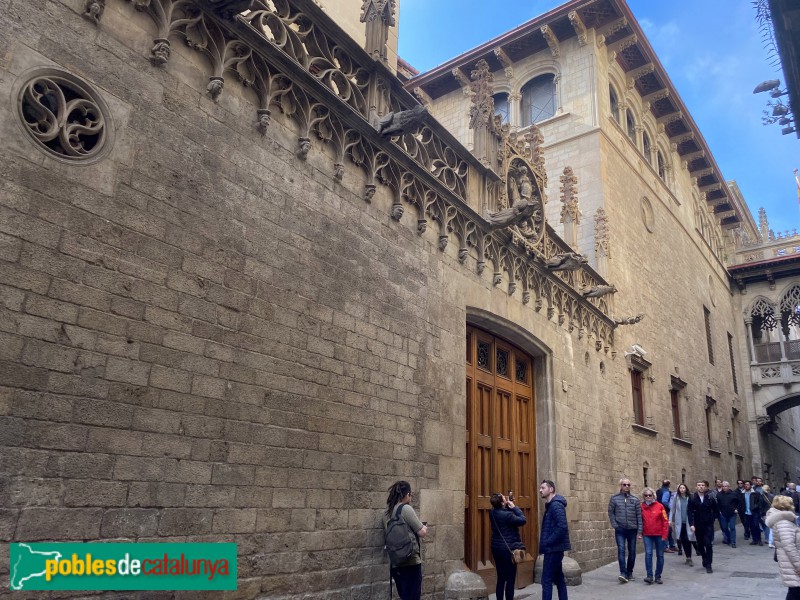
{"x":653,"y":542}
{"x":553,"y":574}
{"x":623,"y":537}
{"x":728,"y":528}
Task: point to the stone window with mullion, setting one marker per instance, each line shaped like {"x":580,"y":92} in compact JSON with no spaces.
{"x":639,"y":367}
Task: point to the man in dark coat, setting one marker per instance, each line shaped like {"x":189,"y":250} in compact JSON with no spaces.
{"x":703,"y":511}
{"x":728,"y":502}
{"x":553,"y":541}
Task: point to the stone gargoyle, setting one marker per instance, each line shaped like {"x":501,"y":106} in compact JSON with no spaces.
{"x":568,"y":261}
{"x":405,"y":121}
{"x":629,"y":320}
{"x":596,"y":291}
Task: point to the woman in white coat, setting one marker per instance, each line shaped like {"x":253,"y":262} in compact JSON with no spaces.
{"x":781,"y":519}
{"x":679,"y":521}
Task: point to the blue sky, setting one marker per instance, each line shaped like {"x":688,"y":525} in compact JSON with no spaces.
{"x":712,"y":51}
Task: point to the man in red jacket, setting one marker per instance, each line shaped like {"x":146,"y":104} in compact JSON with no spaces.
{"x":655,"y":527}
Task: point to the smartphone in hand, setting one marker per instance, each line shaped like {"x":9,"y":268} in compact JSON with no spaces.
{"x":511,"y":495}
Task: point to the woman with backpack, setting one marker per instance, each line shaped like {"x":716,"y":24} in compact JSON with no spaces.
{"x":505,"y":519}
{"x":403,"y":529}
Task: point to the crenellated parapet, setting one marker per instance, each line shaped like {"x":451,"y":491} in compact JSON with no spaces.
{"x":303,"y":67}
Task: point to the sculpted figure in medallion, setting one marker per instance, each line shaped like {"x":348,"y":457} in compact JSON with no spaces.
{"x":523,"y":206}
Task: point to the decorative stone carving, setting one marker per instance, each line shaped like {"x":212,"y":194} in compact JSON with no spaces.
{"x":419,"y":166}
{"x":568,"y":261}
{"x":551,"y":39}
{"x":93,"y":10}
{"x":264,"y":119}
{"x":639,"y":72}
{"x":379,"y":17}
{"x":482,"y":109}
{"x":160,"y":52}
{"x":569,"y":195}
{"x":601,"y":233}
{"x":629,"y":320}
{"x":463,"y":80}
{"x":597,"y":291}
{"x":64,"y":116}
{"x":214,"y":87}
{"x":422,"y":96}
{"x":578,"y":26}
{"x":763,"y":224}
{"x":505,"y":61}
{"x":405,"y":121}
{"x":523,"y":205}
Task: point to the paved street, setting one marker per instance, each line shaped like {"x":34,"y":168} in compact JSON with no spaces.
{"x":742,"y":572}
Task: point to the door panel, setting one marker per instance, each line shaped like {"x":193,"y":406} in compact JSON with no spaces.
{"x":500,"y":442}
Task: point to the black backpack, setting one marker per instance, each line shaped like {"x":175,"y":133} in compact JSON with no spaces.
{"x":401,"y":542}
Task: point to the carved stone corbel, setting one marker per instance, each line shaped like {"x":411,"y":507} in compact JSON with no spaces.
{"x":422,"y":96}
{"x":463,"y":81}
{"x":505,"y":61}
{"x":654,"y":97}
{"x":620,"y":45}
{"x":93,"y":10}
{"x":551,"y":39}
{"x":610,"y":29}
{"x":670,"y":118}
{"x":636,"y":74}
{"x":578,"y":26}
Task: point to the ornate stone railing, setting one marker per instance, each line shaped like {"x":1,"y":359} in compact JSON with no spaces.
{"x":302,"y":65}
{"x":781,"y":372}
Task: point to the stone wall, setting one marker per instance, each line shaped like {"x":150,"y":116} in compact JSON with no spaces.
{"x":206,"y":338}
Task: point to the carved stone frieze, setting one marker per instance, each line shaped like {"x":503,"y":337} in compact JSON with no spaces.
{"x":333,"y":95}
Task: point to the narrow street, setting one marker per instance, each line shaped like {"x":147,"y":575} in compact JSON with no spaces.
{"x":742,"y":572}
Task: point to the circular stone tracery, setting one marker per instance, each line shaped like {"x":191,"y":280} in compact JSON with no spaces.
{"x":64,"y":116}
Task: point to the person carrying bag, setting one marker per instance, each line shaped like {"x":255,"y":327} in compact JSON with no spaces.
{"x":402,"y":529}
{"x":507,"y":547}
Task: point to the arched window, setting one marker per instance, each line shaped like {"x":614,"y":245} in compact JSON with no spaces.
{"x":501,"y":106}
{"x":614,"y":103}
{"x":646,"y":147}
{"x":660,"y":164}
{"x":630,"y":126}
{"x":538,"y":99}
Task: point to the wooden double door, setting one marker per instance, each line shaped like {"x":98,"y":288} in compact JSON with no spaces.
{"x":501,"y":445}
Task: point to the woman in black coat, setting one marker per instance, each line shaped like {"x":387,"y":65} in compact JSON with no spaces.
{"x":506,"y":519}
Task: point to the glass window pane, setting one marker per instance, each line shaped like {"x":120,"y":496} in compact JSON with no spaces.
{"x":538,"y":99}
{"x":501,"y":106}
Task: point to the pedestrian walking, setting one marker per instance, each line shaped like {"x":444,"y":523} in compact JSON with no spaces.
{"x":703,"y":512}
{"x":506,"y":519}
{"x":768,"y":497}
{"x":781,"y":518}
{"x":664,"y":495}
{"x":729,"y":507}
{"x":625,"y":515}
{"x":655,"y":525}
{"x":679,"y":519}
{"x":553,"y":541}
{"x":753,"y":506}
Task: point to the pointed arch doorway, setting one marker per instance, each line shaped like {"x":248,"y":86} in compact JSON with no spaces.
{"x":500,"y":445}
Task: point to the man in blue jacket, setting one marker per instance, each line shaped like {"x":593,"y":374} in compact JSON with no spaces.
{"x":553,"y":541}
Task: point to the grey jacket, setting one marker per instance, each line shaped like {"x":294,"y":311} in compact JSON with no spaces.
{"x":625,"y":512}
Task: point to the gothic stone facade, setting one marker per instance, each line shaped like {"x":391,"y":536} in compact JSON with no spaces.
{"x":208,"y":333}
